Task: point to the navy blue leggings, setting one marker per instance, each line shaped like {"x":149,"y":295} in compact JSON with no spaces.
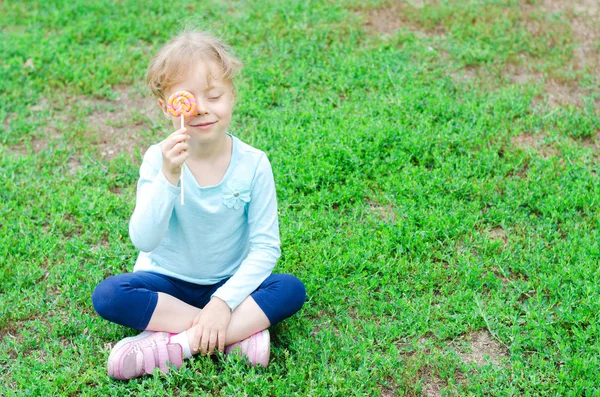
{"x":130,"y":299}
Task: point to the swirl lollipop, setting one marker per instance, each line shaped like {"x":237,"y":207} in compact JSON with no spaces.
{"x":182,"y":104}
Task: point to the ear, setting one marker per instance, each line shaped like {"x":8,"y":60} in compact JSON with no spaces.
{"x":163,"y":107}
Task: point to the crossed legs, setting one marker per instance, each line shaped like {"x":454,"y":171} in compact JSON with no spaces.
{"x":175,"y":316}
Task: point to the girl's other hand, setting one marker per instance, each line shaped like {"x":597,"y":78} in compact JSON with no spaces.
{"x":210,"y":327}
{"x":174,"y":151}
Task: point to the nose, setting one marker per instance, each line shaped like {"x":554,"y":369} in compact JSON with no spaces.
{"x":201,"y":105}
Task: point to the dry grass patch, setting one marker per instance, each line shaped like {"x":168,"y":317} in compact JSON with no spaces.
{"x":74,"y":165}
{"x":579,"y":19}
{"x":520,"y":74}
{"x":583,"y":18}
{"x":119,"y":126}
{"x":562,"y":86}
{"x":483,"y":349}
{"x":592,"y":142}
{"x":432,"y":384}
{"x":497,"y":233}
{"x":11,"y":330}
{"x":464,"y":75}
{"x":35,"y":145}
{"x":391,"y":17}
{"x":384,"y":213}
{"x":389,"y":390}
{"x":113,"y":126}
{"x":565,"y":93}
{"x":50,"y":128}
{"x":536,"y":143}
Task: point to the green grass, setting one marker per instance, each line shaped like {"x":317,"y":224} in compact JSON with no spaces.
{"x":407,"y":204}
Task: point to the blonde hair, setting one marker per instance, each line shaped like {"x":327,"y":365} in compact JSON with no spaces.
{"x":185,"y":51}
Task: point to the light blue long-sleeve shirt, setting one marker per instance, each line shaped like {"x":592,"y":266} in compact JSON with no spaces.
{"x":227,"y":230}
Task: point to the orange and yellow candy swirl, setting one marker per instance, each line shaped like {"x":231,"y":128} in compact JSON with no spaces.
{"x":182,"y":103}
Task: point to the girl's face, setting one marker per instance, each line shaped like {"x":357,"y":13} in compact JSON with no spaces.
{"x":215,"y":100}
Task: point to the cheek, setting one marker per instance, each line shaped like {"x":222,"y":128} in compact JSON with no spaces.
{"x":223,"y":109}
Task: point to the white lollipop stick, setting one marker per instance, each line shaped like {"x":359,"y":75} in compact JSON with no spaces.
{"x":181,"y":177}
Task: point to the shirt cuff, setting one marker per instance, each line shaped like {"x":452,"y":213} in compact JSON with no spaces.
{"x":232,"y":303}
{"x":162,"y":179}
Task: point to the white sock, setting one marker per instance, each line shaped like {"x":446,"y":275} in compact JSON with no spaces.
{"x":182,"y":339}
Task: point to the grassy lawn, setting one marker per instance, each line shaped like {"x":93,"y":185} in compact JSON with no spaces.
{"x":437,"y":171}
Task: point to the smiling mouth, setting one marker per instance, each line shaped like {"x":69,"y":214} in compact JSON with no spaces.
{"x":202,"y":124}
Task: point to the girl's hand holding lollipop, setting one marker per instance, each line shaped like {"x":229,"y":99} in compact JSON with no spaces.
{"x":182,"y":104}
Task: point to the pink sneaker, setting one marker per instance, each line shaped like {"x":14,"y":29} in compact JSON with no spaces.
{"x":140,"y":355}
{"x":256,"y":347}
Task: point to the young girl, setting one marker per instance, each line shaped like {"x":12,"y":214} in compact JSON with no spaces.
{"x":202,"y":281}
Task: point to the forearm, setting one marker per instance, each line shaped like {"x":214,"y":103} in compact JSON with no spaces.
{"x":257,"y":266}
{"x":150,"y":219}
